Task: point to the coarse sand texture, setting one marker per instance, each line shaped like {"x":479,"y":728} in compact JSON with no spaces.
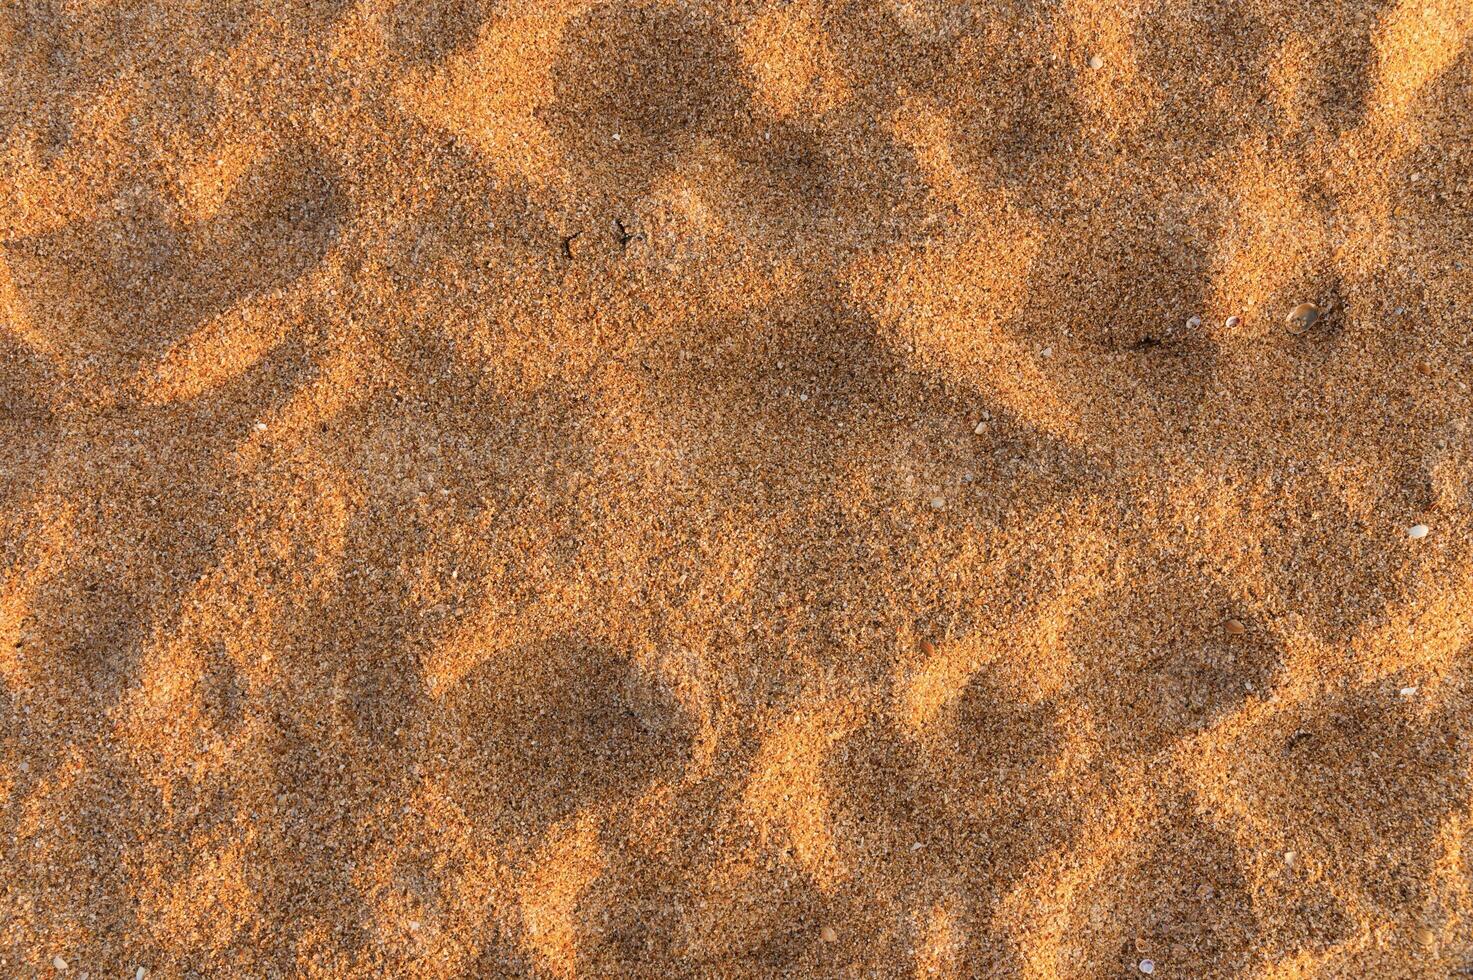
{"x":736,"y":488}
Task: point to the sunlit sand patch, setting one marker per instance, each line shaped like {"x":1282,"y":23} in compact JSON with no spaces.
{"x":1427,"y":635}
{"x":942,"y":940}
{"x":490,"y":95}
{"x":43,"y":558}
{"x":44,"y":195}
{"x":1296,"y":966}
{"x":1290,"y":75}
{"x":479,"y":638}
{"x":1416,"y":41}
{"x":221,"y":350}
{"x":1273,"y":242}
{"x":686,"y":196}
{"x":478,"y":897}
{"x":205,"y":896}
{"x":932,"y":322}
{"x":930,"y":134}
{"x":786,"y":796}
{"x":1451,"y":894}
{"x":946,"y":306}
{"x":1046,"y":912}
{"x":569,"y":860}
{"x":205,"y":183}
{"x":925,"y":692}
{"x":16,"y":320}
{"x":788,"y":55}
{"x":1096,"y":38}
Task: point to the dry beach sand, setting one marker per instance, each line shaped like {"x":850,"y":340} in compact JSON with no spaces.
{"x":736,"y":489}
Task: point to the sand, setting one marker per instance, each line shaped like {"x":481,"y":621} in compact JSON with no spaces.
{"x":736,"y":489}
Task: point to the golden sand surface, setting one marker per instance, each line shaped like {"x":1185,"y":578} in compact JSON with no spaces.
{"x":736,"y":489}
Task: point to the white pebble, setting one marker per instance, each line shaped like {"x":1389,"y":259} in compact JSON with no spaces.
{"x":803,"y":397}
{"x":1233,"y":321}
{"x":916,"y":846}
{"x":1194,"y":322}
{"x":260,"y":426}
{"x":938,"y":502}
{"x":58,"y":962}
{"x":413,"y":926}
{"x":1148,"y":967}
{"x":1407,"y":692}
{"x":1417,"y":532}
{"x":981,"y":427}
{"x":1046,"y":352}
{"x":1289,"y":857}
{"x":1096,"y":62}
{"x":142,"y":972}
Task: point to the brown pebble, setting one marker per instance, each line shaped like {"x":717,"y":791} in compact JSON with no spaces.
{"x":1302,"y":318}
{"x":828,"y":935}
{"x":1426,"y":936}
{"x":1235,"y":627}
{"x":928,"y":648}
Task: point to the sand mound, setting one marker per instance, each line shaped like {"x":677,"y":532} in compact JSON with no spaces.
{"x":735,"y":488}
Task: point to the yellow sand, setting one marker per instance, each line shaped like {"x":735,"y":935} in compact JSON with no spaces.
{"x":676,"y":489}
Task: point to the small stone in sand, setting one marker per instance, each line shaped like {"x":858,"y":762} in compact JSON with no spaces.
{"x":58,"y":962}
{"x":828,"y":935}
{"x":916,"y":846}
{"x":1426,"y":936}
{"x":1096,"y":62}
{"x":928,"y":648}
{"x":980,"y":427}
{"x":1147,"y":967}
{"x":1417,"y":532}
{"x":1233,"y":321}
{"x":938,"y":502}
{"x":260,"y":426}
{"x":1407,"y":692}
{"x":1046,"y":352}
{"x":1193,"y":322}
{"x":1235,"y":627}
{"x":1302,"y":317}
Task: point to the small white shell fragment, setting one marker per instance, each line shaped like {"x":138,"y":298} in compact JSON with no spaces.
{"x":916,"y":846}
{"x":1417,"y":532}
{"x":1096,"y":62}
{"x":980,"y":427}
{"x":142,"y":972}
{"x":938,"y":502}
{"x":1194,"y":322}
{"x":59,"y":962}
{"x":1289,"y":857}
{"x":260,"y":426}
{"x":1233,"y":321}
{"x":1046,"y":352}
{"x":1147,"y":967}
{"x":1407,"y":692}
